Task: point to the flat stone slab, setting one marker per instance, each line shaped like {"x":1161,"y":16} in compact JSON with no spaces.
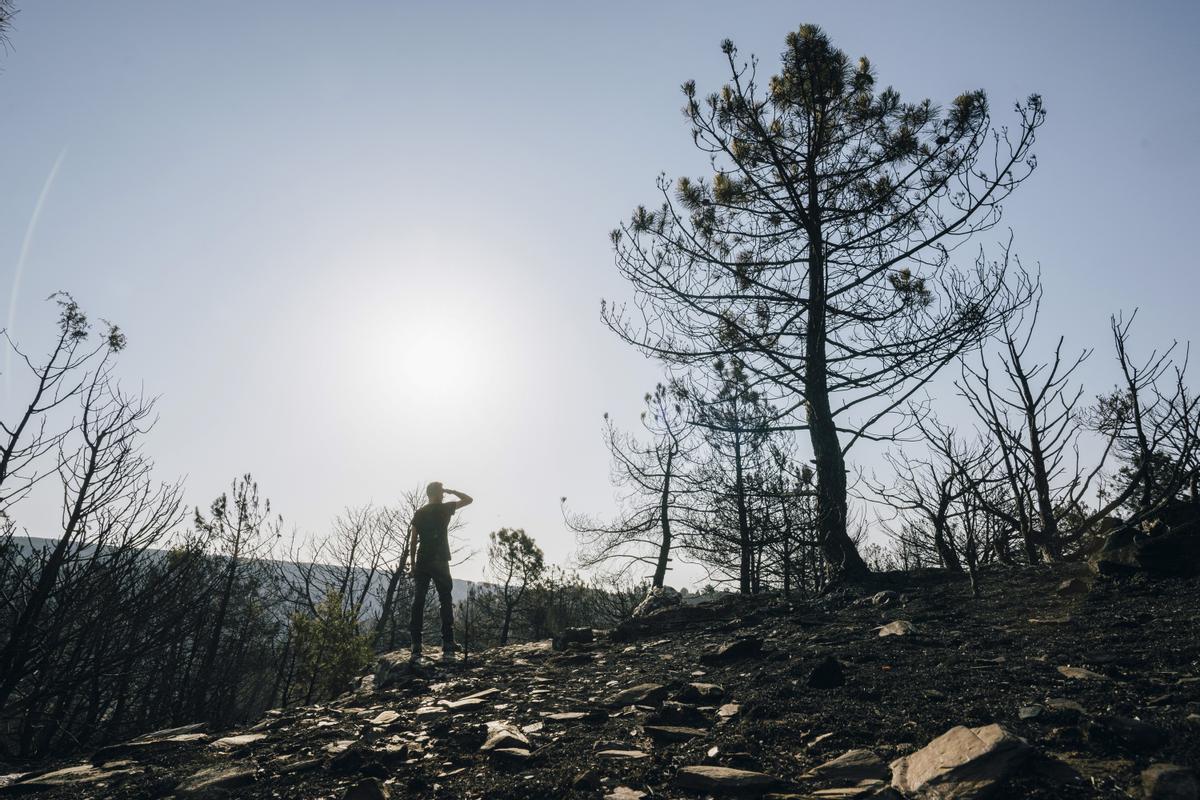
{"x":725,"y":780}
{"x":80,"y":774}
{"x":851,"y":768}
{"x":566,"y":716}
{"x":642,"y":694}
{"x":465,"y":704}
{"x":673,"y":733}
{"x":240,"y":740}
{"x":629,"y":755}
{"x":1081,"y":674}
{"x":214,"y":781}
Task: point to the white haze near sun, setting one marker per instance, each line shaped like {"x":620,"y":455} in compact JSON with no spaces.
{"x":361,"y":247}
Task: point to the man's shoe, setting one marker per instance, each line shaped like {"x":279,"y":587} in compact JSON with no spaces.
{"x":420,"y":665}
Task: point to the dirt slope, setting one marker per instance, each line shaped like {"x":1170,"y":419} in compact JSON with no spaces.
{"x":1101,"y":684}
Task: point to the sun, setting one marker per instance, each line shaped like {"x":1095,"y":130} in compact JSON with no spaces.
{"x":439,"y":353}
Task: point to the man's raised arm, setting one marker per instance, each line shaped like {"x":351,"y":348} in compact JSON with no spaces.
{"x":464,"y":499}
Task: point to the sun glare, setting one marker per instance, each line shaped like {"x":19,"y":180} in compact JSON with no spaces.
{"x":440,"y":358}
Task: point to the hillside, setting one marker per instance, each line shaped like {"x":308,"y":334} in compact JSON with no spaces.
{"x":1100,"y":678}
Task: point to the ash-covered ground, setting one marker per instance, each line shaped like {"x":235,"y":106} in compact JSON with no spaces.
{"x":1072,"y":687}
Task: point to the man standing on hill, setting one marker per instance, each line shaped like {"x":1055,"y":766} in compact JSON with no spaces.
{"x":429,"y":545}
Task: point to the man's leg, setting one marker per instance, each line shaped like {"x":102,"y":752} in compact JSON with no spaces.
{"x":421,"y":578}
{"x":445,"y":588}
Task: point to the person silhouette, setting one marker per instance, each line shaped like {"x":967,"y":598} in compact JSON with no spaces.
{"x":429,"y":551}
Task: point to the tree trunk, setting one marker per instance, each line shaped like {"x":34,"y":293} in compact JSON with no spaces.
{"x":507,"y":622}
{"x":787,"y":551}
{"x":1045,"y":542}
{"x":946,"y":553}
{"x":840,"y":554}
{"x":743,"y":519}
{"x":664,"y":548}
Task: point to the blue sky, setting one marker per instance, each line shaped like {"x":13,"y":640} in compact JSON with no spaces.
{"x":358,"y":246}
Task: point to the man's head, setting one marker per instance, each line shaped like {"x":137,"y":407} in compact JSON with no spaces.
{"x":434,"y":492}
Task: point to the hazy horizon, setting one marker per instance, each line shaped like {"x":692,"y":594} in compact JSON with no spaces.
{"x":361,"y":249}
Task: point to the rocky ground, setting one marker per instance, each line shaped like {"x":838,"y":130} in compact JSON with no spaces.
{"x":1050,"y":685}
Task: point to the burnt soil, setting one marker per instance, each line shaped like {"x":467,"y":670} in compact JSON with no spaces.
{"x":968,"y":662}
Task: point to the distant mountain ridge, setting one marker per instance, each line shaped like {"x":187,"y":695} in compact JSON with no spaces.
{"x":371,"y":606}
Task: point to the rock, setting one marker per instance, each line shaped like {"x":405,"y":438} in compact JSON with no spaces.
{"x":214,"y":782}
{"x":572,"y":636}
{"x":385,"y":717}
{"x":464,"y":704}
{"x":1129,"y":734}
{"x":1074,"y":587}
{"x":299,"y":765}
{"x":728,"y":710}
{"x":673,"y":733}
{"x":367,"y":789}
{"x":503,"y":734}
{"x":867,"y":790}
{"x":1175,"y":553}
{"x":961,"y":764}
{"x":1117,"y":556}
{"x":673,"y":618}
{"x":827,"y":675}
{"x":1030,"y":712}
{"x":1081,"y":674}
{"x":240,"y":740}
{"x":1171,"y":555}
{"x":725,"y":780}
{"x":80,"y":774}
{"x":170,"y":733}
{"x":885,"y":598}
{"x":701,"y":693}
{"x":644,"y":694}
{"x":393,"y":670}
{"x":656,"y":599}
{"x":900,"y":627}
{"x":1169,"y":782}
{"x":624,"y":793}
{"x":851,"y":768}
{"x":738,"y":649}
{"x":629,"y":755}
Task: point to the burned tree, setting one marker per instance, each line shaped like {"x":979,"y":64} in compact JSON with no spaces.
{"x":652,"y":476}
{"x":1153,"y":420}
{"x":820,"y":253}
{"x":516,"y":562}
{"x":734,"y":419}
{"x":932,"y":487}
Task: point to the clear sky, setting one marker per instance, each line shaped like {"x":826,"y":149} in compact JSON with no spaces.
{"x":361,"y":245}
